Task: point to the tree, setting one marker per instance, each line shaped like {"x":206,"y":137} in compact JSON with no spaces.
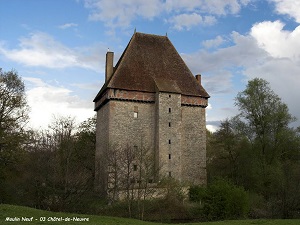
{"x":13,"y":117}
{"x":266,"y":117}
{"x":224,"y":151}
{"x":13,"y":114}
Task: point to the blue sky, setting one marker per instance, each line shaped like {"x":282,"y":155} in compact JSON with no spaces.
{"x":58,"y":47}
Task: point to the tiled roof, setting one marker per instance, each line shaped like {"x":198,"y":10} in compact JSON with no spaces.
{"x":148,"y":63}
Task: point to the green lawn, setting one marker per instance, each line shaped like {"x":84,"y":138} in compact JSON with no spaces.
{"x":19,"y":212}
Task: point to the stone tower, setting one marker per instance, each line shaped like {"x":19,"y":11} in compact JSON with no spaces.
{"x":151,"y":98}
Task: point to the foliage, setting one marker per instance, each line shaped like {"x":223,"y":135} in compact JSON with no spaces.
{"x":259,"y":151}
{"x":221,"y":200}
{"x":13,"y":117}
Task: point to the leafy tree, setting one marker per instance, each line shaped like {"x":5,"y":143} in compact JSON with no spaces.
{"x":266,"y":117}
{"x":13,"y":117}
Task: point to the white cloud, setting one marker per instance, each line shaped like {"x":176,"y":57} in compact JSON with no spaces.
{"x":279,"y":43}
{"x":121,"y":13}
{"x":67,"y":25}
{"x":179,"y":13}
{"x":42,"y":50}
{"x":185,"y":21}
{"x":47,"y":100}
{"x":213,"y":43}
{"x":288,"y":7}
{"x":215,"y":7}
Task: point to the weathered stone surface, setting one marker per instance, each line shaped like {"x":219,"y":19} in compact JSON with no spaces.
{"x":174,"y":132}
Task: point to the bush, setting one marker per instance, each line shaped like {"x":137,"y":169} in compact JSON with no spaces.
{"x":221,"y":200}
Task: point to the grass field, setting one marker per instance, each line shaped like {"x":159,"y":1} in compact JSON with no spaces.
{"x":19,"y":214}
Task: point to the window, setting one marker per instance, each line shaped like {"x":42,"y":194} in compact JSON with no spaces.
{"x":132,"y":181}
{"x":169,"y":141}
{"x":169,"y":124}
{"x":169,"y":110}
{"x":134,"y":167}
{"x":135,"y":112}
{"x":169,"y":96}
{"x":169,"y":156}
{"x":170,"y":174}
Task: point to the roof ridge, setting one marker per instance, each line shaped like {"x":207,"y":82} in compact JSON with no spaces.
{"x":156,"y":35}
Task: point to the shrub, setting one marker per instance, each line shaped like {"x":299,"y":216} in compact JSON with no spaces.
{"x":221,"y":200}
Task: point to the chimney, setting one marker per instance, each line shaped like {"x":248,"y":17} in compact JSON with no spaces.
{"x":198,"y":78}
{"x":109,"y":69}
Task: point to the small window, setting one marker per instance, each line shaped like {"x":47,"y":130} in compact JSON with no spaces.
{"x":150,"y":181}
{"x":169,"y":110}
{"x":135,"y":148}
{"x":169,"y":96}
{"x":170,"y":174}
{"x":132,"y":181}
{"x":135,"y":112}
{"x":169,"y":156}
{"x":169,"y":141}
{"x":169,"y":124}
{"x":134,"y":167}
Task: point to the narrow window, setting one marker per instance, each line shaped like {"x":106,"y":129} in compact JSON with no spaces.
{"x":169,"y":124}
{"x":170,"y":174}
{"x":135,"y":112}
{"x":134,"y":167}
{"x":169,"y":141}
{"x":169,"y":96}
{"x":169,"y":156}
{"x":150,"y":181}
{"x":169,"y":110}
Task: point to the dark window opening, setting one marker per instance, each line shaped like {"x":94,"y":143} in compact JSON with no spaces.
{"x":169,"y":96}
{"x":169,"y":141}
{"x":169,"y":124}
{"x":170,"y":174}
{"x":134,"y":167}
{"x":169,"y":156}
{"x":169,"y":110}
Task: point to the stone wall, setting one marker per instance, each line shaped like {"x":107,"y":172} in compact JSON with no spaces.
{"x":193,"y":145}
{"x":168,"y":134}
{"x":169,"y":125}
{"x":102,"y":143}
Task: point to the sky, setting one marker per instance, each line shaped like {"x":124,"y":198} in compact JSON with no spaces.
{"x":58,"y":48}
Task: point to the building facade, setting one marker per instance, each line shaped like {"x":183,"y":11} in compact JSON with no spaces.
{"x":151,"y":100}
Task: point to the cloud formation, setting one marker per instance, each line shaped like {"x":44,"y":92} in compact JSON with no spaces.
{"x":288,"y":7}
{"x":42,"y":50}
{"x":187,"y":21}
{"x":267,"y":51}
{"x":180,"y":14}
{"x":67,"y":25}
{"x":46,"y":100}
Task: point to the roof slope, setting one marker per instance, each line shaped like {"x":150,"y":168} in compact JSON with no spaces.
{"x":147,"y":62}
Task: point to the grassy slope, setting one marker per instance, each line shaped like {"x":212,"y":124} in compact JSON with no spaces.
{"x":19,"y":211}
